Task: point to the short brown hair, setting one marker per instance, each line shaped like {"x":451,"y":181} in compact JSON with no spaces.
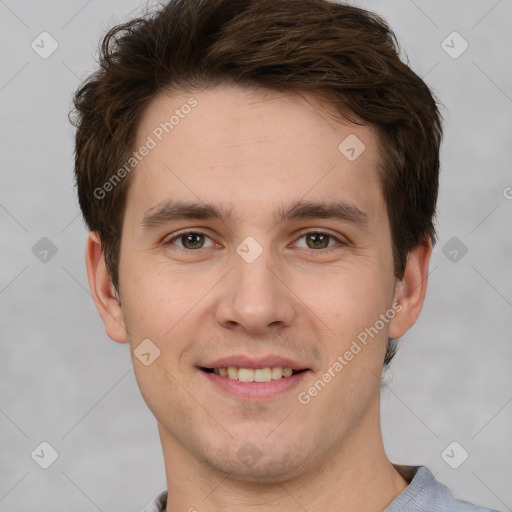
{"x":334,"y":51}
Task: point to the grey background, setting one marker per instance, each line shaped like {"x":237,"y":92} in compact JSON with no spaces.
{"x":65,"y":382}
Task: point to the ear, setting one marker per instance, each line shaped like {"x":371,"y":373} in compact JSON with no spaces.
{"x":410,"y":291}
{"x":103,"y":291}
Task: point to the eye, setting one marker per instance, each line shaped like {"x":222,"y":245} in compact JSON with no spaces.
{"x":194,"y":240}
{"x":318,"y":240}
{"x":190,"y":240}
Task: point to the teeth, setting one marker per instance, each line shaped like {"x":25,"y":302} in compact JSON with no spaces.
{"x":250,"y":375}
{"x":245,"y":375}
{"x":263,"y":375}
{"x":232,"y":372}
{"x":277,"y":373}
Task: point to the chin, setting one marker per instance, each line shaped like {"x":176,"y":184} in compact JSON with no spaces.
{"x":270,"y":464}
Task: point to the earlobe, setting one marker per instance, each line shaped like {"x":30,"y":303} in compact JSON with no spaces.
{"x":103,"y":291}
{"x":410,"y":291}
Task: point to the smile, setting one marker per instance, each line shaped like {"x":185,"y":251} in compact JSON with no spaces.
{"x":248,"y":384}
{"x":253,"y":374}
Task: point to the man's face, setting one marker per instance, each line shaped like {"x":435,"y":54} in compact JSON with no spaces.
{"x":254,"y":284}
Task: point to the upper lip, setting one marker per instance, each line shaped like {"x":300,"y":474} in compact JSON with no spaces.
{"x":244,"y":361}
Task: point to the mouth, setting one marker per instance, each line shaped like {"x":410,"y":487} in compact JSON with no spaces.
{"x":267,"y":374}
{"x":246,"y":377}
{"x":254,"y":384}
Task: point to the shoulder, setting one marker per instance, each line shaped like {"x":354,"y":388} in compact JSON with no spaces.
{"x":425,"y":493}
{"x":158,"y":503}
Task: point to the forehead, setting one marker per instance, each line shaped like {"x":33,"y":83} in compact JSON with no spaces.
{"x":252,"y":149}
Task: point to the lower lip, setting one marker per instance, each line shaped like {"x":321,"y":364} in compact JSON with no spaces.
{"x":255,"y":390}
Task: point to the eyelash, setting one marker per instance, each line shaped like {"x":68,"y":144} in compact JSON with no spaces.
{"x":314,"y":232}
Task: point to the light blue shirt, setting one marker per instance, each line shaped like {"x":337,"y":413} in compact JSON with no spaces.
{"x":423,"y":494}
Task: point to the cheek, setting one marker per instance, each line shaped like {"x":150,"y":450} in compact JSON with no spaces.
{"x":349,"y":297}
{"x":152,"y":380}
{"x":155,"y":299}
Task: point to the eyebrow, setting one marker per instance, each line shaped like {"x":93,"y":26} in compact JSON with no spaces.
{"x":170,"y":211}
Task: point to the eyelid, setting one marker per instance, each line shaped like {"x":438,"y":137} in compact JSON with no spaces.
{"x":298,"y":236}
{"x":180,"y":234}
{"x":337,"y":238}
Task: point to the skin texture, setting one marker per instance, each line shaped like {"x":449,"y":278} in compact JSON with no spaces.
{"x":256,"y":152}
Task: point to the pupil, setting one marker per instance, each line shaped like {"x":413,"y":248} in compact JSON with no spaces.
{"x":190,"y":239}
{"x":322,"y":238}
{"x":318,"y":239}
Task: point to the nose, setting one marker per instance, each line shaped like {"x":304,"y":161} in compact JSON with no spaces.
{"x":255,"y":298}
